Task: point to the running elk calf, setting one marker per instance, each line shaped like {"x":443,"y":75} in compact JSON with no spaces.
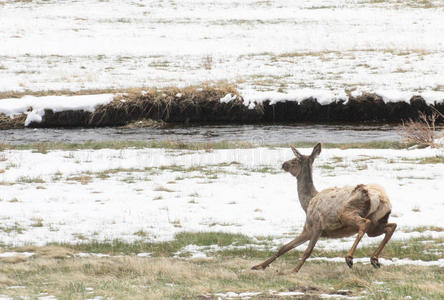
{"x":336,"y":212}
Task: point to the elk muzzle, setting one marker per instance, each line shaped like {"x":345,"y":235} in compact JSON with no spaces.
{"x":286,"y":166}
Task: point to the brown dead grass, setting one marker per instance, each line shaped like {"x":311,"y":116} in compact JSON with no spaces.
{"x":52,"y":252}
{"x":4,"y":280}
{"x":130,"y":91}
{"x":84,"y":179}
{"x":13,"y":259}
{"x":12,"y":123}
{"x":56,"y":271}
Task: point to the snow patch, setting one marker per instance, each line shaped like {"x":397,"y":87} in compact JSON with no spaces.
{"x":251,"y":98}
{"x":228,"y":98}
{"x":439,"y":141}
{"x":248,"y":295}
{"x":144,"y":254}
{"x":63,"y":203}
{"x":257,"y":43}
{"x":338,"y":296}
{"x":286,"y":294}
{"x":12,"y":254}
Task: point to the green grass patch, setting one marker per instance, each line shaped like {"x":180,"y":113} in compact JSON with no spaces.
{"x":16,"y":228}
{"x":425,"y":228}
{"x":161,"y":248}
{"x":418,"y":248}
{"x":426,"y":249}
{"x":337,"y":159}
{"x":189,"y":146}
{"x":265,"y":169}
{"x":439,"y":159}
{"x":326,"y":167}
{"x":27,"y":179}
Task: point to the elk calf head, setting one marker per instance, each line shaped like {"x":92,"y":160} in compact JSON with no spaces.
{"x":301,"y":163}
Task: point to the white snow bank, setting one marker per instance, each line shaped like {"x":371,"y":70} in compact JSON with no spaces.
{"x":430,"y":97}
{"x":251,"y":97}
{"x":323,"y":96}
{"x":34,"y":107}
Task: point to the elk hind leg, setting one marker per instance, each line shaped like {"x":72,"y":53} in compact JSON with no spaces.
{"x":352,"y":216}
{"x":388,"y":229}
{"x":363,"y":226}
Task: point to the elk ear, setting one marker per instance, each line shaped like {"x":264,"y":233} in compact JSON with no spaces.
{"x":316,"y":151}
{"x":295,"y":151}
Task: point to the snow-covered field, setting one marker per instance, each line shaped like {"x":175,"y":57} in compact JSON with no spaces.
{"x":385,"y":46}
{"x":74,"y":196}
{"x":276,"y":50}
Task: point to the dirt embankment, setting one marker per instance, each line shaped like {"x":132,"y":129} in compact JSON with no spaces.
{"x":203,"y":105}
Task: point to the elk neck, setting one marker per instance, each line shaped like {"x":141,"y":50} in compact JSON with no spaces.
{"x":306,"y":189}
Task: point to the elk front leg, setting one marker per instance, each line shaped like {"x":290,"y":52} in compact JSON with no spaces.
{"x":302,"y":238}
{"x":389,"y":228}
{"x":313,"y":240}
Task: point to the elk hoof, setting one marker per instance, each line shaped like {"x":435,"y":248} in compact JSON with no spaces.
{"x":375,"y":263}
{"x":349,"y":261}
{"x":258,"y":267}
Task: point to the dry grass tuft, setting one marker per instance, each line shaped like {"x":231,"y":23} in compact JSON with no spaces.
{"x":55,"y":252}
{"x":163,"y":189}
{"x":13,"y":259}
{"x":51,"y":252}
{"x":82,"y":179}
{"x":352,"y":282}
{"x":4,"y":280}
{"x":12,"y":123}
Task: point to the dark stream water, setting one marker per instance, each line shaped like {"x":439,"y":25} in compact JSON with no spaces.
{"x":268,"y":134}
